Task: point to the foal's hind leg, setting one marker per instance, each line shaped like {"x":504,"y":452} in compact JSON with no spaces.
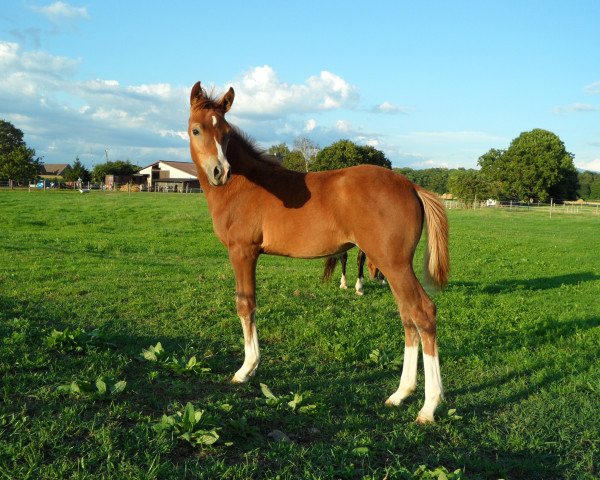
{"x":360,"y":262}
{"x":418,"y":316}
{"x":408,"y":379}
{"x":344,"y":261}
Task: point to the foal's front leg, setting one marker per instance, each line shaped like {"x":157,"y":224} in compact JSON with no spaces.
{"x":244,"y":266}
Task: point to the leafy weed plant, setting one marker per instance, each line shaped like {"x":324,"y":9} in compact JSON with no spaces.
{"x":179,"y":366}
{"x":103,"y":388}
{"x":293,"y":401}
{"x":68,"y":340}
{"x":189,"y":425}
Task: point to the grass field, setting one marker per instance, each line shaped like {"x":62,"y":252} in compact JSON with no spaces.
{"x":88,"y":282}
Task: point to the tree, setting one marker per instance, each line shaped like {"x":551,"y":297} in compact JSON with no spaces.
{"x":17,"y":162}
{"x":536,"y":165}
{"x":308,"y":149}
{"x":468,"y":185}
{"x":280,"y":151}
{"x":10,"y":138}
{"x":595,"y":190}
{"x":295,"y":161}
{"x":589,"y":185}
{"x":76,"y":172}
{"x":19,"y":165}
{"x":434,"y":179}
{"x":118,"y":167}
{"x":345,"y":153}
{"x":292,"y":160}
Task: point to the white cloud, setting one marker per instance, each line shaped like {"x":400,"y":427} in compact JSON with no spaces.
{"x":182,"y":134}
{"x":259,"y":92}
{"x":343,"y":126}
{"x":593,"y":165}
{"x":99,"y":85}
{"x":593,"y":88}
{"x":59,"y":12}
{"x":163,"y":90}
{"x":576,"y":107}
{"x":449,"y":136}
{"x":584,"y":107}
{"x":8,"y":53}
{"x":310,"y":125}
{"x":389,"y":108}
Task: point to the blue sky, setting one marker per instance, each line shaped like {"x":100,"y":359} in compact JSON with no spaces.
{"x":432,"y":84}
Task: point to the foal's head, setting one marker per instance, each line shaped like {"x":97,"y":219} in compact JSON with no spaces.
{"x":209,"y":133}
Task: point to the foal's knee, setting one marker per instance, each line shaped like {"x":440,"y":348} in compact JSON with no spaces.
{"x":246,"y":306}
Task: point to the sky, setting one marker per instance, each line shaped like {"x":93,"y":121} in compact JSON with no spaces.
{"x":431,"y":83}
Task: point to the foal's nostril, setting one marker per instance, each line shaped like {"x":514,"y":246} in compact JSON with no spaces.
{"x":228,"y":174}
{"x":217,"y":172}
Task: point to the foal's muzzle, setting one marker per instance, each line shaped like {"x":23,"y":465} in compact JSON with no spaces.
{"x":218,"y":173}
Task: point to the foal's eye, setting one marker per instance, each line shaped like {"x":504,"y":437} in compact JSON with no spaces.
{"x":196,"y":132}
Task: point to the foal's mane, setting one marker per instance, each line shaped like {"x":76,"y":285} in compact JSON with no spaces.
{"x":248,"y":144}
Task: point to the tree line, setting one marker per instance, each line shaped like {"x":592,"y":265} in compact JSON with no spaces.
{"x":20,"y":164}
{"x":535,"y":167}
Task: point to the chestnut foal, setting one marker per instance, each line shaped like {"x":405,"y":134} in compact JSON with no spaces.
{"x":258,"y":206}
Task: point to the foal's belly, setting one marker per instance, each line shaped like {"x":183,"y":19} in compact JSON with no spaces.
{"x":304,"y":240}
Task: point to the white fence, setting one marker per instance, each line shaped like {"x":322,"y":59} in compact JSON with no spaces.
{"x":130,"y":188}
{"x":575,"y":208}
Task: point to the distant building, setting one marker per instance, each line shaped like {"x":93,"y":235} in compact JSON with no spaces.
{"x":53,"y":170}
{"x":169,"y":176}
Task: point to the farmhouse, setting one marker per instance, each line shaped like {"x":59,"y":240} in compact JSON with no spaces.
{"x":164,"y":175}
{"x":53,"y":170}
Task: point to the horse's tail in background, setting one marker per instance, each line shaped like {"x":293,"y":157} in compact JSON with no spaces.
{"x":437,"y":257}
{"x":330,"y":263}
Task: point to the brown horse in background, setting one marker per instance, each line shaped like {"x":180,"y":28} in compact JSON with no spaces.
{"x":361,"y":259}
{"x":258,"y":207}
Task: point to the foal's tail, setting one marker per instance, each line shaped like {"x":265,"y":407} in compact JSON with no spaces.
{"x":330,"y":263}
{"x":437,"y":257}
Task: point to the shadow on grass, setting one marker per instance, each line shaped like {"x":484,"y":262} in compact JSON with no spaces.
{"x":535,"y":284}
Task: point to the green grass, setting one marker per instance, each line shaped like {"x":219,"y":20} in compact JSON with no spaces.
{"x":518,"y":328}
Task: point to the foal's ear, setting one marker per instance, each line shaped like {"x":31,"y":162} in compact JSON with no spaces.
{"x":196,"y":93}
{"x":227,"y":100}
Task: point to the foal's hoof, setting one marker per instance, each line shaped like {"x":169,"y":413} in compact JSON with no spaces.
{"x":237,"y":378}
{"x":424,"y":419}
{"x":396,"y":398}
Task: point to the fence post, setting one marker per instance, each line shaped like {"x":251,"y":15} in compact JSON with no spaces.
{"x":551,"y":203}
